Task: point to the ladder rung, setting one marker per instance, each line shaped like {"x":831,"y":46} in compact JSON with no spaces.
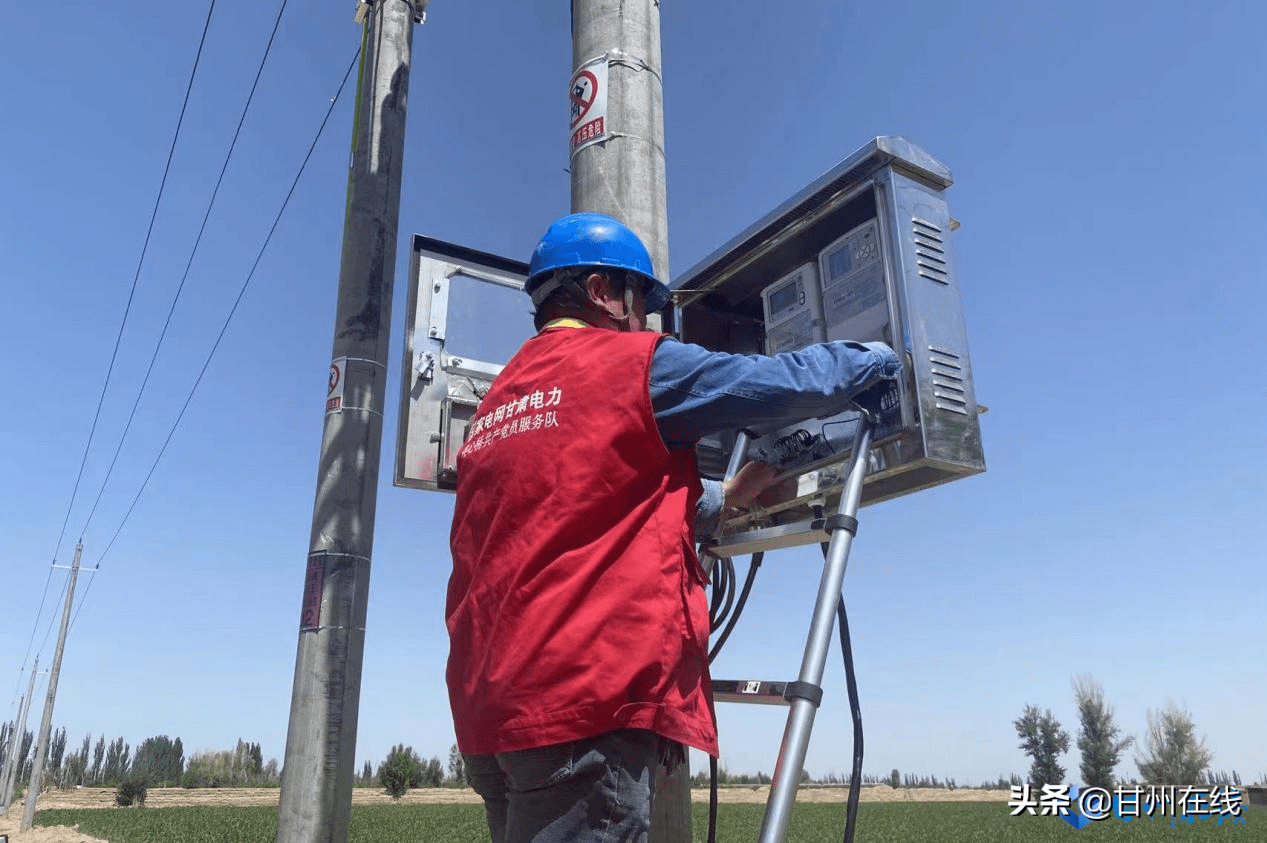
{"x":749,"y":691}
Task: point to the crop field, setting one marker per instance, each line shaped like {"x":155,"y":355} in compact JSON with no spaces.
{"x":908,"y":822}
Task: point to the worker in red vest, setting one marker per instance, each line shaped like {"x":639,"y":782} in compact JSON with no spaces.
{"x":576,"y":610}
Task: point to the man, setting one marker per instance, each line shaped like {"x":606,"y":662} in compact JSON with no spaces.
{"x":577,"y":609}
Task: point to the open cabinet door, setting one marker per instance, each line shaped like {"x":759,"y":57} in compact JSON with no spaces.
{"x":467,"y":315}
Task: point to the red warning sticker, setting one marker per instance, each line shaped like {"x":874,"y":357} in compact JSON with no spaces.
{"x":334,"y":394}
{"x":587,"y":96}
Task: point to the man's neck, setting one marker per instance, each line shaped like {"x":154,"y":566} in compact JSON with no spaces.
{"x":567,"y":322}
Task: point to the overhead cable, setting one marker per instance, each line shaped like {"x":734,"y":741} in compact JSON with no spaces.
{"x":188,"y":265}
{"x":35,"y":627}
{"x":119,"y":337}
{"x":228,"y":319}
{"x":135,"y":279}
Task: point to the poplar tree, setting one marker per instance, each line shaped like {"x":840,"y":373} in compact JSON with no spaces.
{"x":117,"y":764}
{"x":1173,"y":754}
{"x":160,"y":760}
{"x":1098,"y":741}
{"x":98,"y":755}
{"x":1043,"y":740}
{"x":56,"y":749}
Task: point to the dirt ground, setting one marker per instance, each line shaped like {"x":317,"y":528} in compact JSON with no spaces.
{"x":57,"y":834}
{"x":174,"y":796}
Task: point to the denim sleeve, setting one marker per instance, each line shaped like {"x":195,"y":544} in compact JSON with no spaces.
{"x":708,"y":510}
{"x":696,"y":392}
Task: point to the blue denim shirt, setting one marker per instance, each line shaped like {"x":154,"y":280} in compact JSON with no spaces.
{"x":696,"y":392}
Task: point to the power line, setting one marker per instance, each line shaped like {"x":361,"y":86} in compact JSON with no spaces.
{"x":122,"y":325}
{"x":171,"y":153}
{"x":35,"y":627}
{"x":48,"y":632}
{"x":188,"y":265}
{"x":228,"y":319}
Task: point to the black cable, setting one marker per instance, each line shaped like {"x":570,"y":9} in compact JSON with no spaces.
{"x":715,"y":597}
{"x":83,"y":461}
{"x":228,"y":319}
{"x":739,"y":607}
{"x":35,"y":627}
{"x":48,"y":633}
{"x":855,"y":710}
{"x":723,"y":592}
{"x":188,"y":265}
{"x":712,"y":800}
{"x":171,"y":153}
{"x":855,"y":778}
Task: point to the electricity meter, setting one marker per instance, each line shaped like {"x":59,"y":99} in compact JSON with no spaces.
{"x":863,"y":253}
{"x":855,"y":297}
{"x":793,"y":311}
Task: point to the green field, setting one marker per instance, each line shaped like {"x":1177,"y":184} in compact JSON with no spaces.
{"x":908,"y":822}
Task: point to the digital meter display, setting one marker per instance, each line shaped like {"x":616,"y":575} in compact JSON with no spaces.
{"x":787,"y":296}
{"x":839,"y":262}
{"x":855,"y":296}
{"x":793,"y":311}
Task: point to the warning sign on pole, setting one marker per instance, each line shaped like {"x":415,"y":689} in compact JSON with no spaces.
{"x":334,"y":395}
{"x":587,"y":94}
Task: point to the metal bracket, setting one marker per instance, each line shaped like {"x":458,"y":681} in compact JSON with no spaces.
{"x":840,"y":521}
{"x":749,"y":691}
{"x":363,"y":9}
{"x":803,"y":691}
{"x":425,"y":365}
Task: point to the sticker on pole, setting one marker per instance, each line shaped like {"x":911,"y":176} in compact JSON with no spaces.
{"x":314,"y":580}
{"x":587,"y":95}
{"x":334,"y":395}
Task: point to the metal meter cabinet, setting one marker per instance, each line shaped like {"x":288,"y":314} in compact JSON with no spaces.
{"x":466,"y":316}
{"x":877,"y":229}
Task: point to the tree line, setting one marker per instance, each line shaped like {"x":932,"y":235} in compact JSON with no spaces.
{"x":1172,"y":753}
{"x":158,"y":761}
{"x":404,"y":770}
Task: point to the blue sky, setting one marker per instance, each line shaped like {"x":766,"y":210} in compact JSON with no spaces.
{"x":1109,"y":180}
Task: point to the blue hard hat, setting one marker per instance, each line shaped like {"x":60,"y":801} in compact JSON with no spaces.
{"x":582,"y":240}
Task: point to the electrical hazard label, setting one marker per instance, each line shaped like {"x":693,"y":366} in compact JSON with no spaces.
{"x":334,"y":394}
{"x":587,"y":96}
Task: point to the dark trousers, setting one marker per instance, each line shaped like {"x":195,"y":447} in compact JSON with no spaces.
{"x":596,"y":790}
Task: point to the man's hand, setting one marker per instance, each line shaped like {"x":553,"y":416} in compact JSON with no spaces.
{"x":753,"y":479}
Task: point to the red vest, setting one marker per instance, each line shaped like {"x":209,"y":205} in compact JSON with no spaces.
{"x":577,"y":604}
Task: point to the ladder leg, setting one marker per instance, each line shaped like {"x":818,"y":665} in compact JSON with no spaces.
{"x":738,"y":457}
{"x":805,"y":694}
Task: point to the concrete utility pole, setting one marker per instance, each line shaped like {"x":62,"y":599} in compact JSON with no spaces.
{"x":41,"y":746}
{"x":9,"y":778}
{"x":316,"y":793}
{"x":622,"y":174}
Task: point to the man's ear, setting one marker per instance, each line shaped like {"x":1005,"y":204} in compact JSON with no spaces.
{"x":605,"y":295}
